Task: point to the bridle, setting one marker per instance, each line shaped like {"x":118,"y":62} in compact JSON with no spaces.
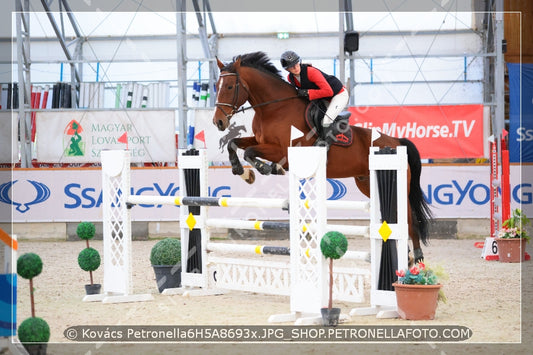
{"x":234,"y":108}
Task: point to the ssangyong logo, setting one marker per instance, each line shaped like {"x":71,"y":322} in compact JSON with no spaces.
{"x":43,"y":193}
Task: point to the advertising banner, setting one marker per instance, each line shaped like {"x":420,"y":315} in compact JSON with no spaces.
{"x":80,"y":136}
{"x":8,"y":137}
{"x":520,"y":112}
{"x":44,"y":195}
{"x":439,"y":132}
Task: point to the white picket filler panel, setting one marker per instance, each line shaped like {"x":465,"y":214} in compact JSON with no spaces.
{"x":383,"y":303}
{"x":117,"y":253}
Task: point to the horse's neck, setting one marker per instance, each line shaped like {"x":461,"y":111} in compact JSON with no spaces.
{"x":266,"y":88}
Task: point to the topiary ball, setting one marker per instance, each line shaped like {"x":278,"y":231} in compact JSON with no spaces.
{"x":166,"y":252}
{"x":89,"y":259}
{"x":86,"y":230}
{"x":333,"y":245}
{"x":29,"y":265}
{"x":34,"y":330}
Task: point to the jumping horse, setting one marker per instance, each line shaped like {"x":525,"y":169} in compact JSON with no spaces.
{"x":252,"y":77}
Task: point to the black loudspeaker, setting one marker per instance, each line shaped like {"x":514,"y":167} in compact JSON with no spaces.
{"x":351,"y":41}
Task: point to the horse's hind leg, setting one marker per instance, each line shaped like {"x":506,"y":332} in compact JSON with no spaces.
{"x":418,"y":255}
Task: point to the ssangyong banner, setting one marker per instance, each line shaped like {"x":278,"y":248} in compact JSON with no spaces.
{"x":439,"y":132}
{"x":80,"y":136}
{"x":44,"y":195}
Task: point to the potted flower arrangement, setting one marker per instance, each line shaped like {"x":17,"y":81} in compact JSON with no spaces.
{"x":33,"y":332}
{"x":333,"y":245}
{"x":89,"y":258}
{"x":512,"y":238}
{"x":165,"y":258}
{"x":418,"y":292}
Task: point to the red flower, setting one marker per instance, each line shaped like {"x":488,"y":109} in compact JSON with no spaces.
{"x":400,"y":273}
{"x":421,"y":266}
{"x":414,"y":270}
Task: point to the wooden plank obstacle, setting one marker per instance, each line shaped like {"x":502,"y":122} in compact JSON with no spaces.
{"x":304,"y":278}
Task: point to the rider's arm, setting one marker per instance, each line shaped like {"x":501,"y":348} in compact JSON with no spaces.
{"x":324,"y":89}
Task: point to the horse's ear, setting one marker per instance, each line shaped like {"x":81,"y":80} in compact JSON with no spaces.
{"x":237,"y":63}
{"x":220,"y":64}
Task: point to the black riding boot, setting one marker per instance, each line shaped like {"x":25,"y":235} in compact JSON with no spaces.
{"x":331,"y":132}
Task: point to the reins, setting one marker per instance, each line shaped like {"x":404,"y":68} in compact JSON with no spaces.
{"x":234,"y":109}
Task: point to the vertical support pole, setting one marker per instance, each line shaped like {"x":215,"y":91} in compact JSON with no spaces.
{"x":116,"y":221}
{"x":495,"y":201}
{"x":181,"y":60}
{"x":382,"y":302}
{"x":188,"y":222}
{"x":505,"y":183}
{"x":116,"y":182}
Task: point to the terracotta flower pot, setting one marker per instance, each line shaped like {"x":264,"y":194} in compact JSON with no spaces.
{"x":511,"y":250}
{"x":417,"y":302}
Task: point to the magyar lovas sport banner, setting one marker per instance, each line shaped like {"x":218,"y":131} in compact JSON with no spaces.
{"x":439,"y":132}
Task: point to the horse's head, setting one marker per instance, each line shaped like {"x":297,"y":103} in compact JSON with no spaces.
{"x":231,"y":94}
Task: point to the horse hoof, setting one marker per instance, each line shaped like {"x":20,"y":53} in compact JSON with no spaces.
{"x":277,"y":169}
{"x":248,"y":176}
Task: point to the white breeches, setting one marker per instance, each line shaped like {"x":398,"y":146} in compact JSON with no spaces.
{"x":336,"y":105}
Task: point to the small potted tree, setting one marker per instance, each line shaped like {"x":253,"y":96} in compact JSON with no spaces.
{"x":165,"y":258}
{"x":89,"y":258}
{"x":333,"y":245}
{"x":512,"y":238}
{"x":33,"y":332}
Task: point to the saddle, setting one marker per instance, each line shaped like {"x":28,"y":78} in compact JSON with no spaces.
{"x":313,"y":118}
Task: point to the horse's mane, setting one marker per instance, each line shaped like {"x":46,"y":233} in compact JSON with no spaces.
{"x":257,"y":60}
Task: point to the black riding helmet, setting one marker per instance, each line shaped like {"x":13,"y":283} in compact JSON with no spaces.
{"x":289,"y":58}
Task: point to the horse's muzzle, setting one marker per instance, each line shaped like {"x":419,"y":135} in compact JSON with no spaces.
{"x":221,"y":125}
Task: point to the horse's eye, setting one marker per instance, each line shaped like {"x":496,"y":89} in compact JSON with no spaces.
{"x":230,"y":87}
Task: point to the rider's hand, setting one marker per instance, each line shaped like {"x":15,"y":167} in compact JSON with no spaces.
{"x":302,"y":93}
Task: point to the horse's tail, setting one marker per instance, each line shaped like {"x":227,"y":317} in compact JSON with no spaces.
{"x":419,"y":207}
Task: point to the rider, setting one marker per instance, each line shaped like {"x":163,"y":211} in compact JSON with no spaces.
{"x":314,"y":84}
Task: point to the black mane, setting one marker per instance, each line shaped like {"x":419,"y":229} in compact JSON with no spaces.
{"x":257,"y":60}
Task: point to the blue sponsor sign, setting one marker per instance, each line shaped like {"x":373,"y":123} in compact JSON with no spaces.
{"x":520,"y":125}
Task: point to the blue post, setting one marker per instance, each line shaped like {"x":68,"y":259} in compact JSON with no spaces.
{"x":97,"y":70}
{"x":464,"y":70}
{"x":371,"y":71}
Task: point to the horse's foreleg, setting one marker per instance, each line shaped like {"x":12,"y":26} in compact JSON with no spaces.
{"x":269,"y":152}
{"x":236,"y":166}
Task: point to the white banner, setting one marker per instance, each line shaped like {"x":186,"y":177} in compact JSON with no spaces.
{"x":79,"y":136}
{"x":8,"y":137}
{"x":76,"y":194}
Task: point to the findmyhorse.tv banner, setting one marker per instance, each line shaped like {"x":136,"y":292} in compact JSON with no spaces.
{"x":80,"y":136}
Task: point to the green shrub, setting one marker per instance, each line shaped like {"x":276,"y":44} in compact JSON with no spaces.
{"x":333,"y":245}
{"x":34,"y":330}
{"x":166,"y":252}
{"x":29,"y":265}
{"x":86,"y":230}
{"x":89,"y":259}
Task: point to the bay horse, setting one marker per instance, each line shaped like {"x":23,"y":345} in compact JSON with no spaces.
{"x":252,"y":77}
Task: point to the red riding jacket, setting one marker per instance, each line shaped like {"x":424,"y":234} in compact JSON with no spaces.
{"x":318,"y":84}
